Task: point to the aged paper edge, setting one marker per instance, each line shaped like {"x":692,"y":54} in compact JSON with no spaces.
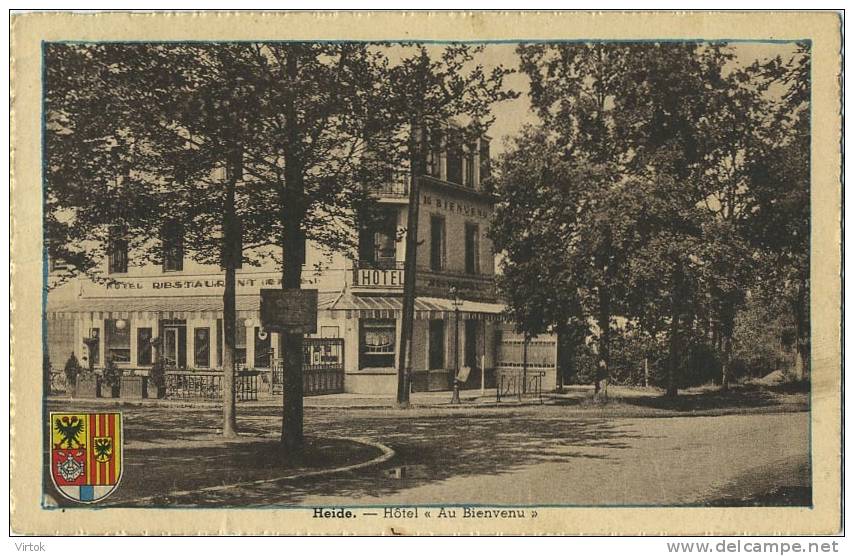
{"x":29,"y":30}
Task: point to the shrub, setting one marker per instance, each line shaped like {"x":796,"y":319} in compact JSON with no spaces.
{"x":112,"y":374}
{"x":72,"y":369}
{"x":157,"y":374}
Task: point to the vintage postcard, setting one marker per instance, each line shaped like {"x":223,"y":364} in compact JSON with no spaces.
{"x":426,"y":273}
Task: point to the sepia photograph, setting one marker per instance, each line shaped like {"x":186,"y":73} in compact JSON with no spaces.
{"x":426,"y":279}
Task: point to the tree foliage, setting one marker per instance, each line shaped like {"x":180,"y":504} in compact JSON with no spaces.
{"x":667,"y":180}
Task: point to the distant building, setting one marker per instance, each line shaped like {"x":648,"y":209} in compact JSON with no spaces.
{"x":180,"y":301}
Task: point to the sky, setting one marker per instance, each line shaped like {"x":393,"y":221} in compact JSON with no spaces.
{"x":512,"y":115}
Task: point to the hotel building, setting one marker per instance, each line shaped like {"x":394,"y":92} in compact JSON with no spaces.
{"x":360,"y":300}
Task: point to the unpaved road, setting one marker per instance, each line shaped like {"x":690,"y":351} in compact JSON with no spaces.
{"x":535,"y":455}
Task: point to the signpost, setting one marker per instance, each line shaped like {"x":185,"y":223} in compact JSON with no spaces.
{"x":289,"y":310}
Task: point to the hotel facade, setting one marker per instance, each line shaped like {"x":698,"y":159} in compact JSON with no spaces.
{"x":179,"y":301}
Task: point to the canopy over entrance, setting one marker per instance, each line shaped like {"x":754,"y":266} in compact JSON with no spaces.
{"x":379,"y":307}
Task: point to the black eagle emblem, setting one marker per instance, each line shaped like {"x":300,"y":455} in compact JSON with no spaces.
{"x":103,"y":447}
{"x":69,"y":429}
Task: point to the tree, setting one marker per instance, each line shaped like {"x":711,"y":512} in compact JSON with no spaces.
{"x":288,"y":123}
{"x":535,"y":227}
{"x":192,"y":133}
{"x":573,"y":88}
{"x":631,"y":111}
{"x":780,"y":174}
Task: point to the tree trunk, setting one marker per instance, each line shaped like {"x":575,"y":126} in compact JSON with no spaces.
{"x":726,"y":362}
{"x":802,"y":330}
{"x":561,"y":358}
{"x":404,"y":361}
{"x":673,"y":362}
{"x":229,"y":320}
{"x":229,"y":310}
{"x":646,"y":372}
{"x":604,"y":322}
{"x":292,"y":244}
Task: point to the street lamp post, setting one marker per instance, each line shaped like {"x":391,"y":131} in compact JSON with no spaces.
{"x":456,"y":302}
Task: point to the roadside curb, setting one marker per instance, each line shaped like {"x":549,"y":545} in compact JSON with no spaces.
{"x":179,"y":404}
{"x":387,"y":454}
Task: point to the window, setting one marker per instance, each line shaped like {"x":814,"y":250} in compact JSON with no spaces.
{"x":485,"y":166}
{"x":469,"y":182}
{"x":173,"y":246}
{"x":263,"y":349}
{"x":376,"y":343}
{"x":455,"y":159}
{"x":143,"y":346}
{"x":472,"y":249}
{"x":117,"y":250}
{"x":437,"y":243}
{"x":240,"y":343}
{"x":436,"y":345}
{"x":378,"y":243}
{"x":434,"y":156}
{"x":118,"y":340}
{"x":202,"y":347}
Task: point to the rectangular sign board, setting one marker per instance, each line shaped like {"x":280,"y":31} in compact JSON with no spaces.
{"x":463,"y":374}
{"x":291,"y":310}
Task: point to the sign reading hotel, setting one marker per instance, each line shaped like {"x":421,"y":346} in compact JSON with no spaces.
{"x":378,"y":278}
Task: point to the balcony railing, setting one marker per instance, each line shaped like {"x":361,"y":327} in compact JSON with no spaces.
{"x":394,"y":182}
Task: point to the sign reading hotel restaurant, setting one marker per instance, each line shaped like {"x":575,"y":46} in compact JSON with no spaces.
{"x":248,"y":283}
{"x":291,"y":310}
{"x":378,"y":278}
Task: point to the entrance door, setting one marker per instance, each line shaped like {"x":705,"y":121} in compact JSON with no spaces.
{"x":470,"y":355}
{"x":170,"y":346}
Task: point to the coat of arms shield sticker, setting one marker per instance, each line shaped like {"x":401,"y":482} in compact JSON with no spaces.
{"x":86,"y":454}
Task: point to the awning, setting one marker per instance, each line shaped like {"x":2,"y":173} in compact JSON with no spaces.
{"x":248,"y":306}
{"x":388,"y":307}
{"x":204,"y":306}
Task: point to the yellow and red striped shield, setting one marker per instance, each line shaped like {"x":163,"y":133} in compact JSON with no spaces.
{"x":86,"y":454}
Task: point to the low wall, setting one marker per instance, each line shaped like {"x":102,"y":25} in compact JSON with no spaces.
{"x":375,"y":381}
